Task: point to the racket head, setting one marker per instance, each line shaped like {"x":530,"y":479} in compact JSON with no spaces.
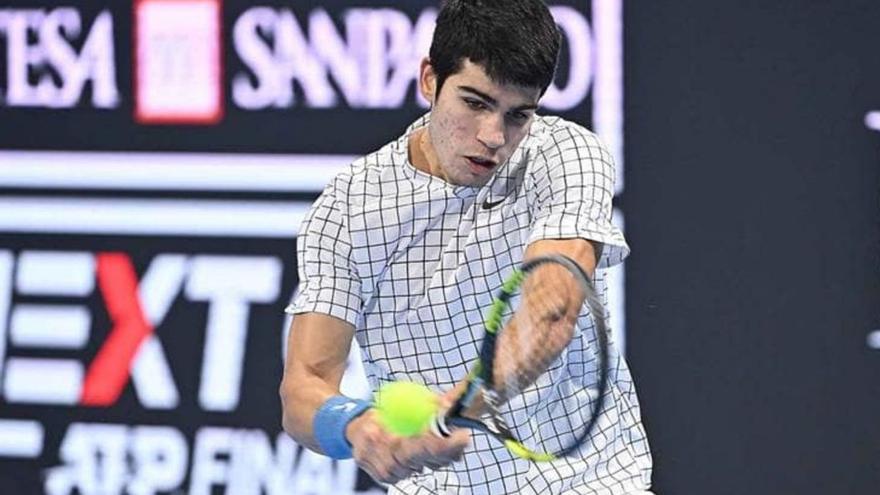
{"x":529,"y":325}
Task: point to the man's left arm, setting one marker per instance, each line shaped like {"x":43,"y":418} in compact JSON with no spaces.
{"x":571,"y":204}
{"x":584,"y":252}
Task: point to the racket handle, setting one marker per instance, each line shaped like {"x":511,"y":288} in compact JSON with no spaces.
{"x":439,"y":426}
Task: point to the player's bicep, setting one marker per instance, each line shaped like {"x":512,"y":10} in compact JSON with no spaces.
{"x":317,"y":348}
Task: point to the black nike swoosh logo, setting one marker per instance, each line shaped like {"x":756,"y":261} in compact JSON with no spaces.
{"x":487,"y":205}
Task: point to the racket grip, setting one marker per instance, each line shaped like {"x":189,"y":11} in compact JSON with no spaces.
{"x":439,"y":426}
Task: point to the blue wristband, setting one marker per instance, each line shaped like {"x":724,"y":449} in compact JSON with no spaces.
{"x":330,"y":421}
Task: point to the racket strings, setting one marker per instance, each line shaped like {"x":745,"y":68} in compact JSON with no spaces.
{"x":521,"y":391}
{"x":538,"y":329}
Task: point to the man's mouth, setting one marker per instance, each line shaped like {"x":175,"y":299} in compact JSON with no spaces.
{"x":482,"y":162}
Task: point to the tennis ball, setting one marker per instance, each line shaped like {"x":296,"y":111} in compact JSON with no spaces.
{"x":406,"y":408}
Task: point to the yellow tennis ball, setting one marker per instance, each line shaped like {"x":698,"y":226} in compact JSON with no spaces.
{"x":406,"y":408}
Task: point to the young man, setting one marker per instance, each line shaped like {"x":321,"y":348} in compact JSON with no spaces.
{"x":402,"y":250}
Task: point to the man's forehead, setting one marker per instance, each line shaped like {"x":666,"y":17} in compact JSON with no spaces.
{"x":473,"y":78}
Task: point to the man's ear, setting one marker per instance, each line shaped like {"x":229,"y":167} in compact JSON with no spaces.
{"x":427,"y":80}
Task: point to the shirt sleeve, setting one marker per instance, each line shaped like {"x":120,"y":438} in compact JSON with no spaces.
{"x":328,"y":279}
{"x":572,"y":191}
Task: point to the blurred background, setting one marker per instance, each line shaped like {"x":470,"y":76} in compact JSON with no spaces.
{"x":157,"y":157}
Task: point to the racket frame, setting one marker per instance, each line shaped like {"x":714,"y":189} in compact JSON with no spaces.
{"x":479,"y":379}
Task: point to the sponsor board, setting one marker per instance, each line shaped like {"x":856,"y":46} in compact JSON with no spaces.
{"x":239,"y":68}
{"x":178,"y":63}
{"x":52,"y":54}
{"x":139,"y":371}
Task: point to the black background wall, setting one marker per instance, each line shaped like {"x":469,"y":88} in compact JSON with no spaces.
{"x":752,"y":187}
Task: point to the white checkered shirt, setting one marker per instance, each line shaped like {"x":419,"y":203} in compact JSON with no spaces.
{"x":413,"y":262}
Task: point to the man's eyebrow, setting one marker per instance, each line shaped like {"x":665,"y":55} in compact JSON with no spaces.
{"x":493,"y":101}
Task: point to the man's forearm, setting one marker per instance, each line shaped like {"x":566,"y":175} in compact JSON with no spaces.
{"x":317,"y":355}
{"x":301,"y":396}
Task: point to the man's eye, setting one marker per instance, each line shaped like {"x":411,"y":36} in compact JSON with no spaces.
{"x":474,"y":104}
{"x":519,"y":117}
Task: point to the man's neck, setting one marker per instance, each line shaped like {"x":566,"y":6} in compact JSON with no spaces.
{"x":422,"y":155}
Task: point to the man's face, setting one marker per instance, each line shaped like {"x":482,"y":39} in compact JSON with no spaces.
{"x":476,"y":124}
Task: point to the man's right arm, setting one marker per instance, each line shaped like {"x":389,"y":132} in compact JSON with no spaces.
{"x":317,"y":354}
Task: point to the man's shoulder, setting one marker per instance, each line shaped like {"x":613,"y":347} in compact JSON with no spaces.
{"x":366,"y":171}
{"x":559,"y":144}
{"x":552,"y":131}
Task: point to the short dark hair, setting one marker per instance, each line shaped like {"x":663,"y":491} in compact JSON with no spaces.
{"x":514,"y":41}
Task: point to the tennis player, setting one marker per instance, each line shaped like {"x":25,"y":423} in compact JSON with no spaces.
{"x":404,"y":250}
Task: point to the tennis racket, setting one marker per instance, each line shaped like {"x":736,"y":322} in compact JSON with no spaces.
{"x":528,"y":326}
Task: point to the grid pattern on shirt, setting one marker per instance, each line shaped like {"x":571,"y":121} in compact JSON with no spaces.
{"x":412,"y":262}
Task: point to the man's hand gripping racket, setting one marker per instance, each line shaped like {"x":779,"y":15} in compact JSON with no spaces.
{"x":530,"y":323}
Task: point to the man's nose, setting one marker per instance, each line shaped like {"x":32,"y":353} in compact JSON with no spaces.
{"x":491,"y":131}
